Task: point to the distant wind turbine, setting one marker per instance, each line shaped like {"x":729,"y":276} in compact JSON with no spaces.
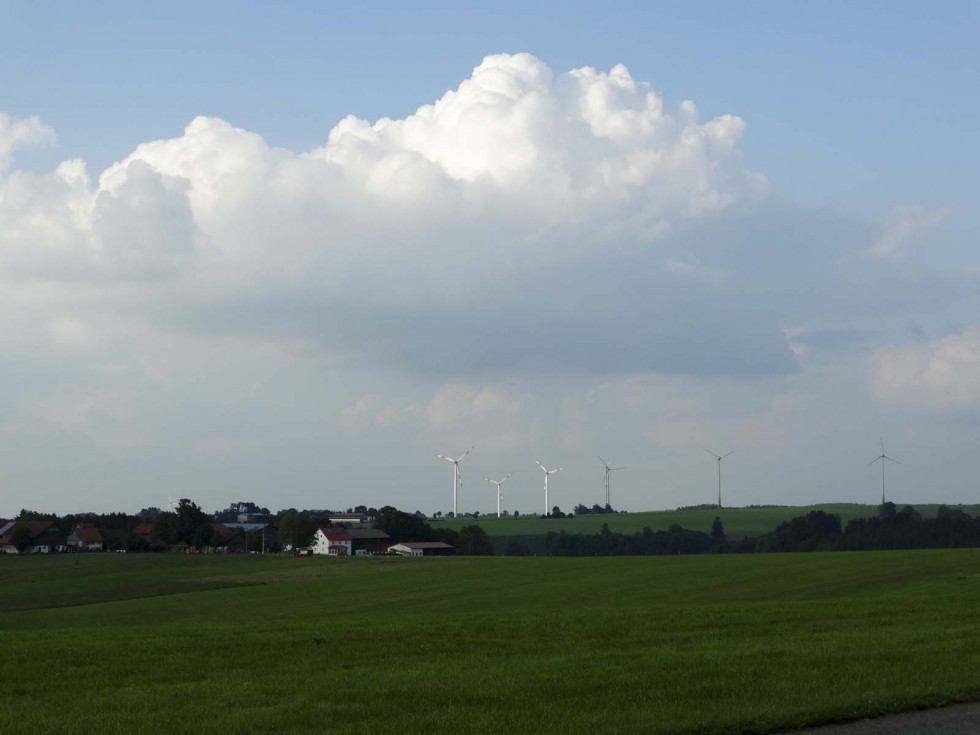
{"x":498,"y":483}
{"x":719,"y":457}
{"x":547,"y":473}
{"x":881,"y":458}
{"x":605,"y":479}
{"x":457,"y":478}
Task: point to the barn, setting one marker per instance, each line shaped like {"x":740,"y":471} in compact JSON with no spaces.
{"x":422,"y":548}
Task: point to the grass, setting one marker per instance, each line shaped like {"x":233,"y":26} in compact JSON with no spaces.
{"x":727,"y":644}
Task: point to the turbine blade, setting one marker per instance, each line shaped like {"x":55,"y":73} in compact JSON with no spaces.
{"x":711,"y":453}
{"x":885,"y":456}
{"x":505,"y":478}
{"x":467,"y":452}
{"x":539,"y":465}
{"x":875,"y":459}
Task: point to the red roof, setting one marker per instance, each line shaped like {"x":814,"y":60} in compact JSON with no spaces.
{"x":335,"y":534}
{"x":143,"y":529}
{"x":36,"y":528}
{"x":88,"y":533}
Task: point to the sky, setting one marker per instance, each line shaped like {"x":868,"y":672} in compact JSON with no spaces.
{"x":288,"y":254}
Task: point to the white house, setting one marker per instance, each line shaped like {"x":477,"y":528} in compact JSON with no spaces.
{"x":332,"y":542}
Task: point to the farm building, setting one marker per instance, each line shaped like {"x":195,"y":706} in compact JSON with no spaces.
{"x":332,"y":542}
{"x":86,"y":537}
{"x":365,"y":541}
{"x":422,"y":548}
{"x":348,"y":518}
{"x":42,"y":537}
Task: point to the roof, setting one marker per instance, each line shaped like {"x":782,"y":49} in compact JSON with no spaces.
{"x":143,"y":529}
{"x":347,"y":516}
{"x":335,"y":534}
{"x":426,"y":545}
{"x":365,"y":533}
{"x":88,"y":533}
{"x":6,"y":526}
{"x":36,"y":528}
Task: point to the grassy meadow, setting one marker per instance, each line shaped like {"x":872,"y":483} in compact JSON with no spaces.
{"x":122,"y":643}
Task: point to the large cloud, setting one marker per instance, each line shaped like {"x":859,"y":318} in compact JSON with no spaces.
{"x":524,"y":223}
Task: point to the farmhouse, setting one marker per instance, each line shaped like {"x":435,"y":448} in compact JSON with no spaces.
{"x":42,"y":537}
{"x":86,"y":537}
{"x":422,"y":548}
{"x":332,"y":542}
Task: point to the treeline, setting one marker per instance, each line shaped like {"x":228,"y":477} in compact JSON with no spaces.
{"x":814,"y":531}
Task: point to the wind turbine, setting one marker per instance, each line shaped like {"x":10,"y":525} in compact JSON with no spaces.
{"x":547,"y":472}
{"x":498,"y":483}
{"x":882,"y":457}
{"x":171,"y":505}
{"x":719,"y":457}
{"x":457,"y":478}
{"x":605,"y":480}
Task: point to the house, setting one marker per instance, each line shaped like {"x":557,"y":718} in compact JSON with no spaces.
{"x":332,"y":542}
{"x":225,"y":539}
{"x":422,"y":548}
{"x":143,"y":530}
{"x":86,"y":537}
{"x":45,"y":537}
{"x":366,"y":541}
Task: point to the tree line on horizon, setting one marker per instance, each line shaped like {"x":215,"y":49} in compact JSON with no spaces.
{"x":816,"y":530}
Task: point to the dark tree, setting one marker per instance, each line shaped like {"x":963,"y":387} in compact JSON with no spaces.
{"x":717,"y":529}
{"x":473,"y":541}
{"x":22,"y":540}
{"x":297,"y":529}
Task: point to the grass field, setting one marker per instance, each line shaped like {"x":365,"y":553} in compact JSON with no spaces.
{"x":728,"y":644}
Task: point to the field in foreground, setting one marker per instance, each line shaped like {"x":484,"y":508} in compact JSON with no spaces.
{"x":700,"y":644}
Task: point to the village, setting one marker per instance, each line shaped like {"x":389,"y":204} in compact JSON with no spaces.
{"x":348,"y":535}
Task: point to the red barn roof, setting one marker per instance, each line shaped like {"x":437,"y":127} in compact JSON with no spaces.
{"x":335,"y":534}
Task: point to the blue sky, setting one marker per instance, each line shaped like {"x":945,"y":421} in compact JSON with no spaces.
{"x":208,"y":314}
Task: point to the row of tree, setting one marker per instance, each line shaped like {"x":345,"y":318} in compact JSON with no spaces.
{"x":814,"y":531}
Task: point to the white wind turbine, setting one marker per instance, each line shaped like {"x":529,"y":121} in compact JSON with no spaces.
{"x":171,"y":505}
{"x":457,"y":478}
{"x":881,"y":458}
{"x":547,"y":473}
{"x":498,"y":483}
{"x":605,"y":479}
{"x":719,"y":457}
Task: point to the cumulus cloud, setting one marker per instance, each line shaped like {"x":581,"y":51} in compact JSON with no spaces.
{"x":940,"y":375}
{"x":473,"y":235}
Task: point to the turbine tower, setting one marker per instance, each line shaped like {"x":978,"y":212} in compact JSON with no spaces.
{"x":882,"y":457}
{"x":605,"y":479}
{"x":547,"y":472}
{"x":457,"y":478}
{"x":719,"y":457}
{"x":498,"y":483}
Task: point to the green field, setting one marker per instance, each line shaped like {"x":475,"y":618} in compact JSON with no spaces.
{"x":728,"y":644}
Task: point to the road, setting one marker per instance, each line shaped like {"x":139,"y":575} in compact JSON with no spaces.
{"x":957,"y":719}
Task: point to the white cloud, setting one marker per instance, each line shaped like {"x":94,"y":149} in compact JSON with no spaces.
{"x":22,"y":133}
{"x":940,"y":375}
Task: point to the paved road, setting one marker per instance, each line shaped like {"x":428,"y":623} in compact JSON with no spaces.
{"x":957,"y":719}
